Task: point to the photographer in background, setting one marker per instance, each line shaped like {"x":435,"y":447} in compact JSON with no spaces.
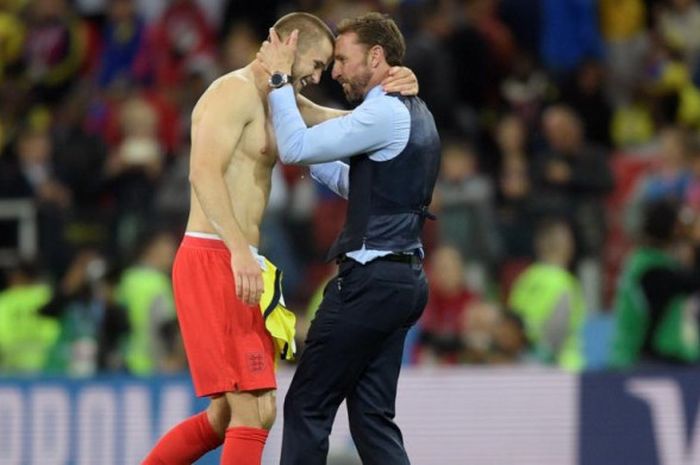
{"x":656,"y":306}
{"x":93,"y":325}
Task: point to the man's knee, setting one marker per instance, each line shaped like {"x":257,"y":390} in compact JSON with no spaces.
{"x":253,"y":409}
{"x":219,"y":414}
{"x":362,"y":416}
{"x":267,"y":411}
{"x":356,"y":418}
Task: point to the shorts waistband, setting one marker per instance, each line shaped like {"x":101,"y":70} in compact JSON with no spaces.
{"x":214,"y":242}
{"x":210,"y":241}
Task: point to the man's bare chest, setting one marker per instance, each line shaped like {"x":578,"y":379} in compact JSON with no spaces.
{"x":258,"y":141}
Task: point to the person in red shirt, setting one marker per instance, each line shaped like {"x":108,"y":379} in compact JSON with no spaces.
{"x":442,"y":322}
{"x":181,"y":34}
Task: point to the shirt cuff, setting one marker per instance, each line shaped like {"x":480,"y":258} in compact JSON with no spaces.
{"x":282,"y":96}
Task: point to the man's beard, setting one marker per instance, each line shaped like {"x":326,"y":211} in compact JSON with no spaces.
{"x":355,"y":89}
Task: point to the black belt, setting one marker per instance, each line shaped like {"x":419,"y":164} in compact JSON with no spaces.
{"x":410,"y":259}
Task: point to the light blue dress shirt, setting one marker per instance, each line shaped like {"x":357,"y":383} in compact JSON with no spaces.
{"x":380,"y":127}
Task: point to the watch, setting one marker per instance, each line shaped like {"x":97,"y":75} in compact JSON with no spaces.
{"x":278,"y":79}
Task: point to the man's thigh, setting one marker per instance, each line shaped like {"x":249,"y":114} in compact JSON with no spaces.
{"x":359,"y":311}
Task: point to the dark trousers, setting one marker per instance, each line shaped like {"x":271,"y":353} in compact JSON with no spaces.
{"x":353,"y":352}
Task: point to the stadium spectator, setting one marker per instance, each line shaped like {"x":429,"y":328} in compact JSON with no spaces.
{"x":181,"y":34}
{"x":125,"y":53}
{"x":469,"y":50}
{"x":679,"y":28}
{"x":12,"y":39}
{"x":449,"y":301}
{"x":427,"y":57}
{"x":479,"y":332}
{"x":26,"y":337}
{"x":79,"y":157}
{"x":669,"y":77}
{"x":668,"y":178}
{"x":145,"y":290}
{"x":570,"y":34}
{"x":510,"y":344}
{"x":526,"y":89}
{"x":692,"y":193}
{"x":571,"y":178}
{"x":512,"y":180}
{"x":623,"y":26}
{"x":656,"y":304}
{"x":54,"y":49}
{"x":133,"y":170}
{"x":585,"y":93}
{"x":39,"y":177}
{"x":172,"y":198}
{"x":239,"y":46}
{"x":632,"y":125}
{"x":93,"y":325}
{"x":524,"y":19}
{"x":258,"y":15}
{"x":549,"y":300}
{"x":464,"y":199}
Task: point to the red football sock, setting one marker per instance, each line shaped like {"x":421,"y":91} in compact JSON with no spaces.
{"x":243,"y":446}
{"x":185,"y":443}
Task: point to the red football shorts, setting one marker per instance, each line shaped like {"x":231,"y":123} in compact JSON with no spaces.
{"x":227,"y":345}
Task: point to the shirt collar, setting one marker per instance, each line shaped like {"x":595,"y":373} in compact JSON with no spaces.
{"x":375,"y":91}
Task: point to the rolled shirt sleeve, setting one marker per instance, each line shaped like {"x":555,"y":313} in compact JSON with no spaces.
{"x":335,"y":175}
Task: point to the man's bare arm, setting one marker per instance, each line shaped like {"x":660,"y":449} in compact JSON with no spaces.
{"x":217,"y":124}
{"x":314,"y":114}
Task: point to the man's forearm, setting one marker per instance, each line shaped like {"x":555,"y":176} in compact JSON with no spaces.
{"x":314,"y":114}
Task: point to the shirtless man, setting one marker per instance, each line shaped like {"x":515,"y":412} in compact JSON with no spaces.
{"x":217,"y":274}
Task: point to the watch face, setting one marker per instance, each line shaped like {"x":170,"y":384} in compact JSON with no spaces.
{"x":277,"y":79}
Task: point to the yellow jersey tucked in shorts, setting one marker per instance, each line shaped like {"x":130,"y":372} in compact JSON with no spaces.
{"x":279,"y":321}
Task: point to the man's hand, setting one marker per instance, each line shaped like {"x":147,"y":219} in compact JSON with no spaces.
{"x":402,"y":80}
{"x":248,"y":276}
{"x":278,"y":56}
{"x":76,"y":275}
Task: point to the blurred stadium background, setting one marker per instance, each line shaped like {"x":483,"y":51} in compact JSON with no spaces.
{"x":571,"y":137}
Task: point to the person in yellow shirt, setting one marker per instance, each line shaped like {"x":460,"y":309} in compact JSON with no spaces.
{"x":26,"y":337}
{"x":549,"y":299}
{"x":11,"y":40}
{"x":623,"y":26}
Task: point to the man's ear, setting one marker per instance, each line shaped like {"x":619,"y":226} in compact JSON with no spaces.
{"x":376,"y":56}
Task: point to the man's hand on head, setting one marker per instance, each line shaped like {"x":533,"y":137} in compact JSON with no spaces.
{"x":401,"y":80}
{"x":276,"y":55}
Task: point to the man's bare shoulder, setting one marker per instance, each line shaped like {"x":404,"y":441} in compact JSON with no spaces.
{"x":232,"y":93}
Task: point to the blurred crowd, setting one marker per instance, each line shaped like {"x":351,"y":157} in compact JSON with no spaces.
{"x":567,"y":202}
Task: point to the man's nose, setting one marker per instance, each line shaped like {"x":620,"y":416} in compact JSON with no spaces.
{"x":316,"y":77}
{"x":335,"y":72}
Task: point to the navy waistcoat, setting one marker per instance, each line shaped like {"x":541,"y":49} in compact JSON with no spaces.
{"x":388,"y":200}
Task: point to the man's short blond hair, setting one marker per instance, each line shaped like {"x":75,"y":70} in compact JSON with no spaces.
{"x":311,"y":29}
